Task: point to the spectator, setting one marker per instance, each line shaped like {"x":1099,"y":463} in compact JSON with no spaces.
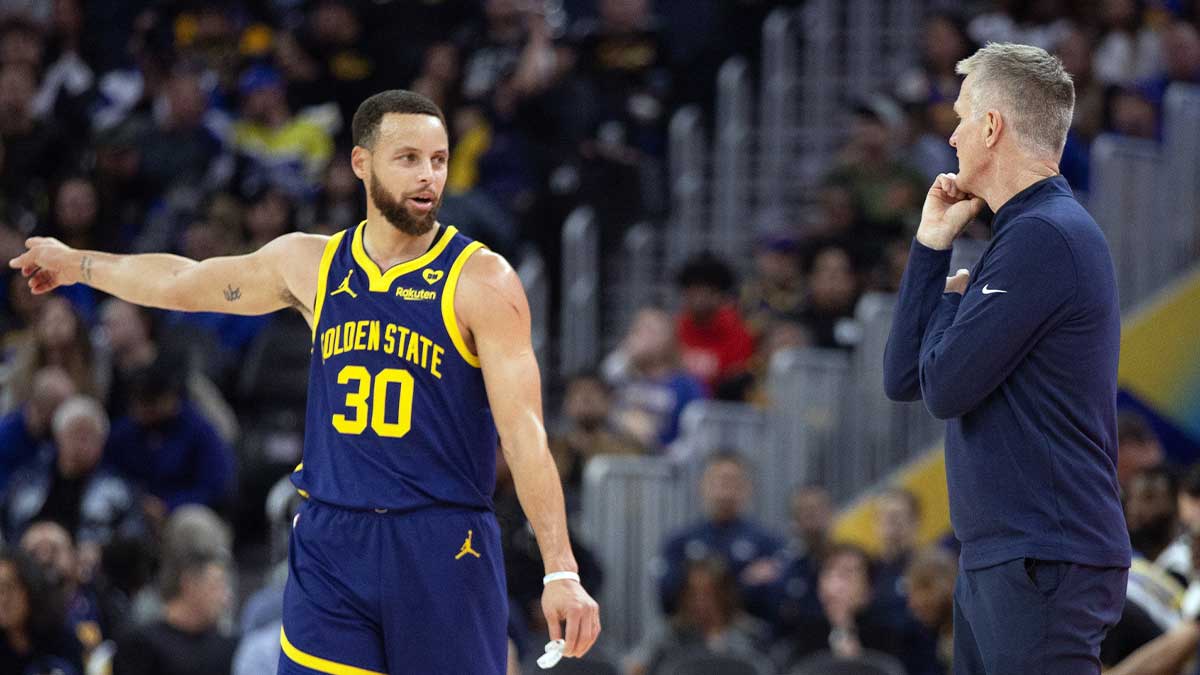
{"x":588,"y":431}
{"x":58,"y":339}
{"x":651,"y":390}
{"x":783,"y":589}
{"x":34,"y":150}
{"x":195,"y":528}
{"x":898,"y":524}
{"x":715,"y":341}
{"x":1181,"y":60}
{"x":1137,"y":447}
{"x":776,"y":291}
{"x":832,"y":295}
{"x":25,"y":430}
{"x":1151,"y":511}
{"x":186,"y":640}
{"x":930,"y":580}
{"x":333,"y":59}
{"x":623,"y":57}
{"x":76,"y":215}
{"x":1177,"y":559}
{"x":68,"y":82}
{"x":124,"y":196}
{"x":178,"y":148}
{"x":514,"y":47}
{"x":725,"y":532}
{"x":52,"y":546}
{"x":167,"y":448}
{"x":268,"y":216}
{"x":128,"y":331}
{"x":1130,"y":112}
{"x":279,"y":149}
{"x":33,"y":639}
{"x":886,"y":191}
{"x":944,"y":42}
{"x":848,"y":623}
{"x":1127,"y":52}
{"x":709,"y":617}
{"x":625,"y":89}
{"x":67,"y":487}
{"x":1150,"y":503}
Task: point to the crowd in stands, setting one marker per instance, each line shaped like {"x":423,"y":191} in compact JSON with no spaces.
{"x":144,"y":454}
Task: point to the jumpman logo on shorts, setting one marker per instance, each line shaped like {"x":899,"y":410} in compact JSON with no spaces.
{"x":466,"y":547}
{"x":344,"y":287}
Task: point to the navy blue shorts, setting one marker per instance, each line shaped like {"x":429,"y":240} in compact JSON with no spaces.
{"x":394,"y":593}
{"x":1035,"y":617}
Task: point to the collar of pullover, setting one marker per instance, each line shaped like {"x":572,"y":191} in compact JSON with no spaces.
{"x":1019,"y":203}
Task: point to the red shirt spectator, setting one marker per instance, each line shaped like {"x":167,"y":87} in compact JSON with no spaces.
{"x":716,"y":346}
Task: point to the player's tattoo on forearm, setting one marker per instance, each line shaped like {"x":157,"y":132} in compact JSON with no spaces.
{"x":85,"y":268}
{"x":231,"y":293}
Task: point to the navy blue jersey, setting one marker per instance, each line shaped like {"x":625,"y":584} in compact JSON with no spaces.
{"x":397,"y":417}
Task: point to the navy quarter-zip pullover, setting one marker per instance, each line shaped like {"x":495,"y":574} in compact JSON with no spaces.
{"x":1023,"y":367}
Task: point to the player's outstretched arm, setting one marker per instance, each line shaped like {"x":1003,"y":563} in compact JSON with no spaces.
{"x":273,"y":277}
{"x":492,"y":304}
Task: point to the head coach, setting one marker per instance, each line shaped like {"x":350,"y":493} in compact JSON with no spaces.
{"x":1019,"y":356}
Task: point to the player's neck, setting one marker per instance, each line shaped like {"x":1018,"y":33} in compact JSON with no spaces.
{"x":388,"y":246}
{"x":1013,"y":176}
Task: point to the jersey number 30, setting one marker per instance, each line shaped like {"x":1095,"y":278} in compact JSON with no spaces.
{"x":366,"y":401}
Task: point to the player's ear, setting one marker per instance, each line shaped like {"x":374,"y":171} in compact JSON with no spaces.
{"x":360,"y":158}
{"x":992,"y":127}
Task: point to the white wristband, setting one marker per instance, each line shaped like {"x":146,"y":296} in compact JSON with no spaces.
{"x":560,"y":576}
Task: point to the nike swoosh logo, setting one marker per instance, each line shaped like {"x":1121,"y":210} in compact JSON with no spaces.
{"x":989,"y":291}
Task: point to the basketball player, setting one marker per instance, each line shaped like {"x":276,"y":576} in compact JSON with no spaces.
{"x":421,"y":353}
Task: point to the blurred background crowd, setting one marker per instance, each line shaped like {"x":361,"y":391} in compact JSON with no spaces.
{"x":144,"y":506}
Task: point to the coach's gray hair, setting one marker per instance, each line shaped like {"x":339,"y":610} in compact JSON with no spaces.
{"x":79,"y":407}
{"x":1030,"y":86}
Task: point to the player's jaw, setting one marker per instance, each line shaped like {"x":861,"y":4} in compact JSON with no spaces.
{"x":413,"y":214}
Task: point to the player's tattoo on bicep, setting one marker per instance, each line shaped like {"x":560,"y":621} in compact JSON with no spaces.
{"x":85,"y":268}
{"x":232,"y":294}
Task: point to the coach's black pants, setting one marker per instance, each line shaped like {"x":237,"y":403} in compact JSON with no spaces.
{"x":1029,"y":617}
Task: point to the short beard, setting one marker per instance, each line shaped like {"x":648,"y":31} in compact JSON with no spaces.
{"x":398,"y":214}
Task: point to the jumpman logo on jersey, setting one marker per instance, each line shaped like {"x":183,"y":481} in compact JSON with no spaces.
{"x":344,"y":287}
{"x":466,"y":547}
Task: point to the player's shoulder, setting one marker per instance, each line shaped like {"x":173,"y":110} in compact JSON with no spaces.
{"x":488,"y":283}
{"x":295,"y":244}
{"x":489,"y":269}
